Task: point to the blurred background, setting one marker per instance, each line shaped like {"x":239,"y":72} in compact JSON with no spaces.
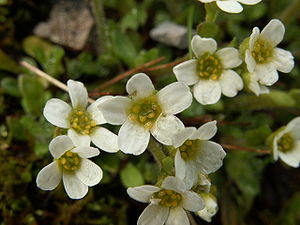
{"x":95,"y":41}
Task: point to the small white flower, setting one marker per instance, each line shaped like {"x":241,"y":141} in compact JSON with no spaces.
{"x":167,"y":203}
{"x":146,"y":111}
{"x":71,"y":164}
{"x":263,"y":58}
{"x":210,"y":72}
{"x":232,"y":6}
{"x":81,"y":120}
{"x":252,"y":83}
{"x":211,"y":207}
{"x":286,"y":143}
{"x":195,"y":153}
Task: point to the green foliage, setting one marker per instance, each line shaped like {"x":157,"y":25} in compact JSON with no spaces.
{"x":10,"y":86}
{"x":8,"y":64}
{"x":131,"y":176}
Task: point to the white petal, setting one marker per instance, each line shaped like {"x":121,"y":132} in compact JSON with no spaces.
{"x":177,"y":216}
{"x":249,"y":2}
{"x":230,"y":83}
{"x":186,"y":72}
{"x":174,"y":183}
{"x":283,"y":60}
{"x":230,"y":6}
{"x":78,"y":94}
{"x":201,"y":45}
{"x":294,"y":126}
{"x":79,"y":139}
{"x":210,"y":157}
{"x":59,"y":145}
{"x":292,"y":158}
{"x":250,"y":61}
{"x":153,"y":215}
{"x":105,"y":139}
{"x":253,"y":38}
{"x":207,"y":92}
{"x":180,"y":167}
{"x":230,"y":57}
{"x":133,"y":138}
{"x":206,"y":131}
{"x":57,"y":112}
{"x":252,"y":83}
{"x":86,"y":151}
{"x":165,"y":128}
{"x":175,"y":98}
{"x":89,"y":173}
{"x":49,"y":177}
{"x":140,"y":86}
{"x":73,"y":186}
{"x":192,"y":201}
{"x":267,"y":74}
{"x":115,"y":110}
{"x":142,"y":193}
{"x":184,"y":134}
{"x":191,"y":175}
{"x":273,"y":33}
{"x":94,"y":109}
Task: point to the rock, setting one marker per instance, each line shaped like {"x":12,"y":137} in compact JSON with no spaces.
{"x":70,"y":24}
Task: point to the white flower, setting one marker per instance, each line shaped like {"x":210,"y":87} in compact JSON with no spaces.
{"x":211,"y":207}
{"x":210,"y":72}
{"x":146,"y":111}
{"x":286,"y":143}
{"x":167,"y":203}
{"x":232,"y":6}
{"x":263,"y":58}
{"x":195,"y":153}
{"x":252,"y":83}
{"x":71,"y":164}
{"x":81,"y":120}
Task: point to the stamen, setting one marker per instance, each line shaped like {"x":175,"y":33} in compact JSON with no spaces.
{"x":188,"y":149}
{"x":69,"y":161}
{"x":168,"y":198}
{"x":262,"y":51}
{"x":286,"y":143}
{"x":81,"y":121}
{"x":209,"y":66}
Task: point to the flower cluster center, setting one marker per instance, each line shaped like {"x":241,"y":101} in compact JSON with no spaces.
{"x":81,"y":121}
{"x":188,"y":149}
{"x":69,"y":161}
{"x":262,"y":51}
{"x":168,"y":198}
{"x":285,"y":143}
{"x":209,"y":66}
{"x":145,"y":111}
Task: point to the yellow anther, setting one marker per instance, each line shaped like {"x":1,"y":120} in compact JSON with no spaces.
{"x":86,"y":119}
{"x":75,"y":120}
{"x":88,"y":127}
{"x":93,"y":123}
{"x":63,"y":161}
{"x":73,"y":168}
{"x":69,"y":154}
{"x":184,"y":155}
{"x":133,"y":117}
{"x":214,"y":77}
{"x":142,"y":118}
{"x":79,"y":113}
{"x":151,"y":115}
{"x":183,"y":148}
{"x":148,"y":125}
{"x":189,"y":142}
{"x":136,"y":109}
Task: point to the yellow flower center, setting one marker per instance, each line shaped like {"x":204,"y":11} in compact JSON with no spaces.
{"x":188,"y":149}
{"x":145,"y":111}
{"x":262,"y":51}
{"x":209,"y":66}
{"x":81,"y":121}
{"x":69,"y":161}
{"x":285,"y":143}
{"x":168,"y":198}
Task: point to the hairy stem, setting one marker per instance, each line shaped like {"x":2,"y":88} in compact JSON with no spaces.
{"x":155,"y":148}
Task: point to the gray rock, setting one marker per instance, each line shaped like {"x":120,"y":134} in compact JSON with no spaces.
{"x":70,"y":24}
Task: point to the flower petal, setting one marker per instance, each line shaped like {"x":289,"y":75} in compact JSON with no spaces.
{"x":283,"y":60}
{"x":186,"y":72}
{"x":165,"y":128}
{"x":231,"y":83}
{"x":78,"y":94}
{"x":273,"y":32}
{"x":73,"y":186}
{"x":210,"y":157}
{"x":230,"y":6}
{"x":175,"y":98}
{"x":292,"y":158}
{"x":180,"y":167}
{"x":133,"y":138}
{"x":105,"y":139}
{"x":250,"y":61}
{"x":249,"y":2}
{"x":115,"y":110}
{"x":267,"y":74}
{"x":207,"y":92}
{"x":174,"y":183}
{"x":142,"y":193}
{"x":206,"y":131}
{"x":201,"y":45}
{"x":86,"y":151}
{"x":59,"y":145}
{"x":183,"y":135}
{"x":89,"y":173}
{"x":49,"y":177}
{"x":94,"y":109}
{"x":230,"y":57}
{"x":153,"y":215}
{"x":191,"y":201}
{"x":140,"y":86}
{"x":79,"y":139}
{"x":177,"y":216}
{"x":57,"y":112}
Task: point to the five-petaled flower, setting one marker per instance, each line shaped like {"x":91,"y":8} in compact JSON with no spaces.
{"x":71,"y":164}
{"x":146,"y":111}
{"x":80,"y":120}
{"x":210,"y":72}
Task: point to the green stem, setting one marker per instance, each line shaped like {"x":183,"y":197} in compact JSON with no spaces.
{"x":211,"y":12}
{"x":291,"y":12}
{"x":155,"y":148}
{"x":190,"y":27}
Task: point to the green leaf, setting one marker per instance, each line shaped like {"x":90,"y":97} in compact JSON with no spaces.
{"x":8,"y":64}
{"x":258,"y":136}
{"x":146,"y":56}
{"x":10,"y":86}
{"x":133,"y":19}
{"x":131,"y":176}
{"x":290,"y":213}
